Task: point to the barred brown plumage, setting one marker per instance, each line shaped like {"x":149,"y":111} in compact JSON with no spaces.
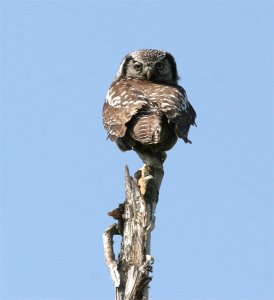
{"x":145,"y":109}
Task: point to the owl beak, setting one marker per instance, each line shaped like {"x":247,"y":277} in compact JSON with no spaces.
{"x":149,"y":73}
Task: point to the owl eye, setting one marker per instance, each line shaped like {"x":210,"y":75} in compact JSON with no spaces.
{"x":138,"y":66}
{"x":160,"y":65}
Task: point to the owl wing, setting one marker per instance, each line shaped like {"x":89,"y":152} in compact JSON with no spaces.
{"x":122,"y":102}
{"x":176,"y":107}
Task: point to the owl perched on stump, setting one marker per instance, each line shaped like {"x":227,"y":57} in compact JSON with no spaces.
{"x":145,"y":109}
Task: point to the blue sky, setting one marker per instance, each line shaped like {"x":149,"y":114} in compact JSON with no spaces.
{"x":214,"y":229}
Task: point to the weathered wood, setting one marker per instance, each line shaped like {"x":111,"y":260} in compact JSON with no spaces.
{"x":109,"y":253}
{"x":136,"y":219}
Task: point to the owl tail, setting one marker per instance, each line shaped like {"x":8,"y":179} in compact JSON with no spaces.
{"x":146,"y":129}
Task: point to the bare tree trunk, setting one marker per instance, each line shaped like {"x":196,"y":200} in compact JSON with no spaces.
{"x":130,"y":272}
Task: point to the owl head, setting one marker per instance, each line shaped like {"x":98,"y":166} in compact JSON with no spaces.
{"x":148,"y":64}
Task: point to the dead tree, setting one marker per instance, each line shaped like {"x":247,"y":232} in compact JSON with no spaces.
{"x":130,"y":270}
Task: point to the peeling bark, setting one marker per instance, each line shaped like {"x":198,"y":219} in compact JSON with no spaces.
{"x":136,"y":219}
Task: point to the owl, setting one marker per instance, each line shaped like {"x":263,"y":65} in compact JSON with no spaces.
{"x":145,"y":109}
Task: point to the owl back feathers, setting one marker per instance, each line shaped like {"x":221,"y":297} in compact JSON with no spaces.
{"x":138,"y":112}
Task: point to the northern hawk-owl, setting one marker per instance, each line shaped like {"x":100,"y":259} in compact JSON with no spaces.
{"x":145,"y":109}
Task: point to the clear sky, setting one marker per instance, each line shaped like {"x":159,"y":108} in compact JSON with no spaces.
{"x":214,"y":229}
